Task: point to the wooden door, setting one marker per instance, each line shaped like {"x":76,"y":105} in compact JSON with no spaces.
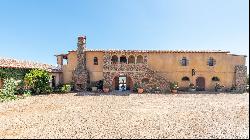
{"x":200,"y":83}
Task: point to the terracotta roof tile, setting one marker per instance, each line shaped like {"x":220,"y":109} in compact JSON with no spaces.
{"x":13,"y":63}
{"x":152,"y":51}
{"x":160,"y":51}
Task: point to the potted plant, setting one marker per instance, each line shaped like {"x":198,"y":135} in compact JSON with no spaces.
{"x":135,"y":87}
{"x":140,"y":88}
{"x":218,"y":87}
{"x":174,"y":87}
{"x":93,"y":86}
{"x":105,"y":87}
{"x":192,"y":87}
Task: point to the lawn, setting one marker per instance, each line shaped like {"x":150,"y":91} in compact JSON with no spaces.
{"x":75,"y":115}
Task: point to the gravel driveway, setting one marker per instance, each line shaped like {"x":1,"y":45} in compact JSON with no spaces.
{"x":134,"y":116}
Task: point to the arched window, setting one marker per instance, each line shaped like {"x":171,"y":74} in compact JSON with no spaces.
{"x":114,"y":59}
{"x":215,"y":79}
{"x":145,"y":80}
{"x":95,"y":61}
{"x":185,"y":78}
{"x":211,"y":61}
{"x":184,"y":61}
{"x":131,"y":59}
{"x":139,"y":59}
{"x":123,"y":59}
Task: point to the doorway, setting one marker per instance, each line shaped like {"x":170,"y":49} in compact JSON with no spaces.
{"x":122,"y":83}
{"x":200,"y":83}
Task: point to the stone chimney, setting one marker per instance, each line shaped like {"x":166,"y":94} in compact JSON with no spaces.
{"x":80,"y":75}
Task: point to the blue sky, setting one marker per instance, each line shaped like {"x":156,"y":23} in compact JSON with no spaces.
{"x":38,"y":29}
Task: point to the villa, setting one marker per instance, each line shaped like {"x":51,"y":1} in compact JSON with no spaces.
{"x":152,"y":68}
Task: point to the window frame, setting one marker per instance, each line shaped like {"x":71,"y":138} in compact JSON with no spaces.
{"x":95,"y":60}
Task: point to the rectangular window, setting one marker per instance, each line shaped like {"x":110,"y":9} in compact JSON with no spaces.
{"x":95,"y":61}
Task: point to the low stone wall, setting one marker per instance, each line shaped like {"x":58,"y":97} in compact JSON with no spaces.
{"x":241,"y":78}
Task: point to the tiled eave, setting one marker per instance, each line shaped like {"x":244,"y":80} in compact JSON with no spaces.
{"x":151,"y":51}
{"x":20,"y":64}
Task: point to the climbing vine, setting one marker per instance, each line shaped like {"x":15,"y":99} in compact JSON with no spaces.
{"x":13,"y":73}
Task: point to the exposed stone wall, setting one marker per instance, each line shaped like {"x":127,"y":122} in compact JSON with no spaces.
{"x":240,"y":78}
{"x":136,"y":72}
{"x":80,"y":75}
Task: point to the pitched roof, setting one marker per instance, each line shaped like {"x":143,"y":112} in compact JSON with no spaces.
{"x":23,"y":64}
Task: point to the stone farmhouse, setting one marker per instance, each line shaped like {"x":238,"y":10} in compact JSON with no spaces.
{"x":148,"y":68}
{"x":151,"y":68}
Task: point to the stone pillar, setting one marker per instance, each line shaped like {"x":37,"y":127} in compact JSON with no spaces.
{"x":80,"y":75}
{"x":241,"y":78}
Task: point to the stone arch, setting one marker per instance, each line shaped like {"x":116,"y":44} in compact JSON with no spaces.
{"x":131,"y":59}
{"x":115,"y":81}
{"x":139,"y":59}
{"x":114,"y":59}
{"x":123,"y":59}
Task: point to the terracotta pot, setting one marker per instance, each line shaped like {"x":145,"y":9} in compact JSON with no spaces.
{"x":94,"y":89}
{"x":105,"y":90}
{"x":174,"y":91}
{"x":140,"y":90}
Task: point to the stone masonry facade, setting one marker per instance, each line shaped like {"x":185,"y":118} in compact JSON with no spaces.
{"x":137,"y":72}
{"x":240,"y":78}
{"x":80,"y":75}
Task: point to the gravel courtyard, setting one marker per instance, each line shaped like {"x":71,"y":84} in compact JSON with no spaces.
{"x":134,"y":116}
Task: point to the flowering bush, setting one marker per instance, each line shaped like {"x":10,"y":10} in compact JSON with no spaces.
{"x":9,"y":90}
{"x":174,"y":86}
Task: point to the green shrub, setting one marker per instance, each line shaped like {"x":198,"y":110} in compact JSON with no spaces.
{"x":27,"y":92}
{"x":136,"y":85}
{"x":38,"y":80}
{"x":66,"y":88}
{"x":9,"y":90}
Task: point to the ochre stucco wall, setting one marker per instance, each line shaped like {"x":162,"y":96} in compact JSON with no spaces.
{"x":95,"y":71}
{"x":69,"y":68}
{"x":169,"y":66}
